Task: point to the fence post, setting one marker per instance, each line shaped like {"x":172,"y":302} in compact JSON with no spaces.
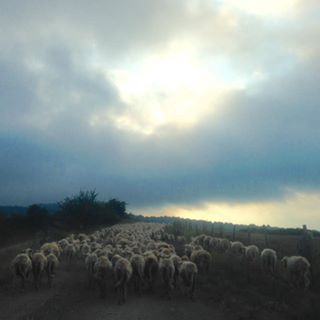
{"x":266,"y":237}
{"x":221,"y":230}
{"x":234,"y":233}
{"x":305,"y":244}
{"x":212,"y":229}
{"x":249,"y":235}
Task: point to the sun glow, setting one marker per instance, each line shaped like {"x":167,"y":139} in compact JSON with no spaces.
{"x":173,"y":88}
{"x":272,"y":212}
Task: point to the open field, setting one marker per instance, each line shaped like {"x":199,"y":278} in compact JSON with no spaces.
{"x":228,"y":291}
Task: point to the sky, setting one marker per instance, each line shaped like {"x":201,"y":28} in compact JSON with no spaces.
{"x":204,"y":109}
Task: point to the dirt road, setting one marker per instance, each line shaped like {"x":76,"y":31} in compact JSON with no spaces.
{"x":70,"y":299}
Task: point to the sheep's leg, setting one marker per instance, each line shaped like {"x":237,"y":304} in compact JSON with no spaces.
{"x":48,"y":278}
{"x":193,"y":286}
{"x":118,"y":293}
{"x":35,"y":280}
{"x":248,"y":272}
{"x":13,"y":281}
{"x":37,"y":283}
{"x":49,"y":281}
{"x":40,"y":280}
{"x":182,"y":287}
{"x":165,"y":290}
{"x":307,"y":281}
{"x":136,"y":283}
{"x":23,"y":285}
{"x":140,"y":285}
{"x":121,"y":297}
{"x":169,"y":290}
{"x":124,"y":292}
{"x":151,"y":279}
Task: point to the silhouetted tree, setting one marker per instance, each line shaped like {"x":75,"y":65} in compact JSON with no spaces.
{"x":83,"y":210}
{"x":76,"y":211}
{"x":118,"y":207}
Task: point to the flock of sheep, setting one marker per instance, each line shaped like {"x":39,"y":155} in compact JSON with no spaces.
{"x":142,"y":253}
{"x":295,"y":270}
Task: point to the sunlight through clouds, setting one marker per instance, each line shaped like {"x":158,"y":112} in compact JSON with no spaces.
{"x":173,"y":88}
{"x":302,"y":208}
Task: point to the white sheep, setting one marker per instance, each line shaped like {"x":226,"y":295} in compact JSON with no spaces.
{"x":151,"y":246}
{"x":223,"y":245}
{"x":202,"y":259}
{"x":296,"y":270}
{"x":70,"y":252}
{"x":252,"y":253}
{"x":28,"y":251}
{"x":176,"y":261}
{"x":237,"y":248}
{"x":151,"y":268}
{"x":50,"y":247}
{"x":39,"y":263}
{"x":90,"y":261}
{"x":212,"y":243}
{"x":167,"y":271}
{"x":63,"y":243}
{"x":84,"y":250}
{"x":102,"y":271}
{"x":21,"y":266}
{"x":188,"y":248}
{"x":82,"y":236}
{"x":52,"y":264}
{"x":188,"y":272}
{"x":268,"y":260}
{"x":137,"y":262}
{"x":94,"y":246}
{"x":199,"y":239}
{"x":122,"y":275}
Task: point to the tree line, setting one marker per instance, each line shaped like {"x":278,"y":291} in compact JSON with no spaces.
{"x":76,"y":213}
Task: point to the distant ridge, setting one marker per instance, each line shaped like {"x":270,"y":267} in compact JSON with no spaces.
{"x":13,"y":209}
{"x":51,"y":207}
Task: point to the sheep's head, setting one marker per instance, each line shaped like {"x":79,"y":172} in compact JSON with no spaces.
{"x":28,"y":251}
{"x":114,"y":259}
{"x":165,"y":253}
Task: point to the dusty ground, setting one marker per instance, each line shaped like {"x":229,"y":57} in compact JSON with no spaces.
{"x":70,"y":299}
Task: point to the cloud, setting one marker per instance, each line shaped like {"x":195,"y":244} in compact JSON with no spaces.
{"x":116,"y":27}
{"x":232,"y":119}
